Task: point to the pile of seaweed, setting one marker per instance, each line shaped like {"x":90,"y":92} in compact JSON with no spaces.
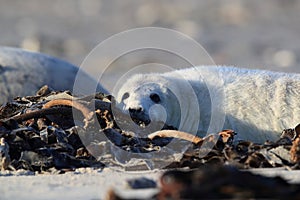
{"x":55,"y":132}
{"x":216,"y":182}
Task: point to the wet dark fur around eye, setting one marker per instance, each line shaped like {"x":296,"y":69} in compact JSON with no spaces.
{"x":155,"y":97}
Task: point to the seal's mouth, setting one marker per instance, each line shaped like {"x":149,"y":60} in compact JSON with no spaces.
{"x":141,"y":123}
{"x":140,"y":118}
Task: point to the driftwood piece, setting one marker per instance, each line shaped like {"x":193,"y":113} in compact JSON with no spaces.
{"x":176,"y":134}
{"x":41,"y":113}
{"x":87,"y":113}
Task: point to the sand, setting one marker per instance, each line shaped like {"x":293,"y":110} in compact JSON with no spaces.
{"x":81,"y":184}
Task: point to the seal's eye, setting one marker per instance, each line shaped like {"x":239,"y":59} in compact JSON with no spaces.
{"x":125,"y":96}
{"x":155,"y":98}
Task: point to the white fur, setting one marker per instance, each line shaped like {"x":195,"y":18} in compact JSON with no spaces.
{"x":257,"y":104}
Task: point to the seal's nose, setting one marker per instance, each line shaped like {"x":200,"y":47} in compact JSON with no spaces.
{"x":139,"y":116}
{"x":136,"y":110}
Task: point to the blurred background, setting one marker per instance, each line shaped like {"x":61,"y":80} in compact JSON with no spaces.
{"x":253,"y":34}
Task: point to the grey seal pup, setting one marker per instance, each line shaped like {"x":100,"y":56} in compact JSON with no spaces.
{"x":257,"y":104}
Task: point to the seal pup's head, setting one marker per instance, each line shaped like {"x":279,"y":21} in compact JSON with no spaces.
{"x":147,"y":98}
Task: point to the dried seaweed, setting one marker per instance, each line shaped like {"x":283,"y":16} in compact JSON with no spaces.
{"x":220,"y":183}
{"x":40,"y":134}
{"x":44,"y":123}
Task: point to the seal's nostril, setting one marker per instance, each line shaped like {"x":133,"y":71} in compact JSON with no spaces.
{"x":139,"y":109}
{"x":131,"y":110}
{"x":135,"y":110}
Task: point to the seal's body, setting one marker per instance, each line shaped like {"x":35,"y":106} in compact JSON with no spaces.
{"x":257,"y":104}
{"x":23,"y":73}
